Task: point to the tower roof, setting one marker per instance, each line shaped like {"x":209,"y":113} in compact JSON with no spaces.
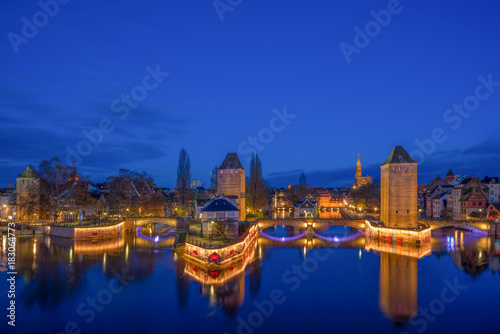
{"x":398,"y":156}
{"x":28,"y":174}
{"x":231,"y":162}
{"x":359,"y":162}
{"x":450,"y":173}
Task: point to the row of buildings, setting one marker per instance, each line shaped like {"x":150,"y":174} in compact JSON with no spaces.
{"x":459,"y":197}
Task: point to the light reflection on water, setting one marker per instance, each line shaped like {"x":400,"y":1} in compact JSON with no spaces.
{"x":385,"y":284}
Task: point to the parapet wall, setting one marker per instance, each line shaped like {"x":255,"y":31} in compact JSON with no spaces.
{"x":98,"y":232}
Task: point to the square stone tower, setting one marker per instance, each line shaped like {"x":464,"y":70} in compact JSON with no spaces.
{"x":398,"y":190}
{"x":27,"y":196}
{"x":231,"y":181}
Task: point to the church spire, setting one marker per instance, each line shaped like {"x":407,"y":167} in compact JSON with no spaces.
{"x":358,"y":168}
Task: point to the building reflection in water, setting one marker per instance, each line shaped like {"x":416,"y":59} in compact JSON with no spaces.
{"x":225,"y":285}
{"x":56,"y":269}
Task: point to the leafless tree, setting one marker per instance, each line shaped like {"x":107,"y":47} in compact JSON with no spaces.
{"x":54,"y":185}
{"x":183,"y":180}
{"x":257,"y":189}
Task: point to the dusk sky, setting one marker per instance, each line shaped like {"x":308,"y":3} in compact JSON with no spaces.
{"x":297,"y":76}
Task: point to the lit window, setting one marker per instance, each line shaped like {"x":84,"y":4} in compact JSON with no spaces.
{"x":222,"y":172}
{"x":393,"y":168}
{"x":231,"y":171}
{"x":406,"y":168}
{"x":412,"y":168}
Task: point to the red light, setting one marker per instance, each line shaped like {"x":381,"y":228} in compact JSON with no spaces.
{"x":195,"y":252}
{"x":195,"y":269}
{"x":214,"y":274}
{"x":232,"y":252}
{"x":214,"y":257}
{"x":399,"y":243}
{"x":231,"y":268}
{"x":389,"y":242}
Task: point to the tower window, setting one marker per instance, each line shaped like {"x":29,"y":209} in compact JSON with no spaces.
{"x":393,"y":168}
{"x":396,"y":211}
{"x":222,"y":172}
{"x":407,"y":211}
{"x":400,"y":168}
{"x":406,"y":168}
{"x":231,"y":171}
{"x":412,"y":168}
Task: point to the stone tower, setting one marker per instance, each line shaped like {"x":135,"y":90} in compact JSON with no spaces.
{"x":398,"y":190}
{"x":231,"y":181}
{"x":27,"y":196}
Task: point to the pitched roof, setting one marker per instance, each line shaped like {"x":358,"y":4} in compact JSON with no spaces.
{"x":496,"y":206}
{"x":231,"y":162}
{"x":28,"y":174}
{"x":450,"y":173}
{"x":398,"y":156}
{"x":435,"y":183}
{"x":220,"y":204}
{"x":302,"y":202}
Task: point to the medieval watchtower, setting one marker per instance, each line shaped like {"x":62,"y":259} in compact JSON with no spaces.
{"x":27,"y":195}
{"x":398,"y":190}
{"x":231,"y":181}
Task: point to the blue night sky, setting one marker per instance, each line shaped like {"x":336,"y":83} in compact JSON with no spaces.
{"x":228,"y":79}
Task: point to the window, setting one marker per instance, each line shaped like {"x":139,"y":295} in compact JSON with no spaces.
{"x":412,"y":168}
{"x":393,"y":168}
{"x":209,"y":214}
{"x":407,"y":211}
{"x":220,"y":215}
{"x":406,"y":168}
{"x":231,"y":214}
{"x":396,"y":211}
{"x":231,"y":171}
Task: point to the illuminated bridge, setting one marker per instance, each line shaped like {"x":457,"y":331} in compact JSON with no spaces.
{"x":314,"y":223}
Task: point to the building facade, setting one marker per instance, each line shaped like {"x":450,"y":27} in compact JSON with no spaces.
{"x":398,"y":192}
{"x":231,"y":182}
{"x":220,"y":210}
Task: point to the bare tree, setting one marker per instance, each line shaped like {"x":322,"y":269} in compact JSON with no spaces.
{"x":213,"y":179}
{"x":134,"y":194}
{"x":256,"y":186}
{"x":183,"y":180}
{"x":54,"y":184}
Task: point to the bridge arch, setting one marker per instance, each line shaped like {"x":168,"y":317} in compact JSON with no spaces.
{"x":314,"y":223}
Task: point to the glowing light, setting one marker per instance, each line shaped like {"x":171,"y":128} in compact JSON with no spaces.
{"x":157,"y":238}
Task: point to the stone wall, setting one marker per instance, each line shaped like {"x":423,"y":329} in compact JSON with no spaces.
{"x":102,"y":232}
{"x":65,"y":232}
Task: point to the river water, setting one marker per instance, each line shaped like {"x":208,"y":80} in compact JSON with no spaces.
{"x":336,"y":281}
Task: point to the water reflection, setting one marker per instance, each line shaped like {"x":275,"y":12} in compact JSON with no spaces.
{"x":54,"y":270}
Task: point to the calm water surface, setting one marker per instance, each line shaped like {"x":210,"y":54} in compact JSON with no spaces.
{"x":335,"y":281}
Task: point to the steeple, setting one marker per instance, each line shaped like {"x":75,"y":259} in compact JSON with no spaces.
{"x":358,"y":168}
{"x":289,"y":185}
